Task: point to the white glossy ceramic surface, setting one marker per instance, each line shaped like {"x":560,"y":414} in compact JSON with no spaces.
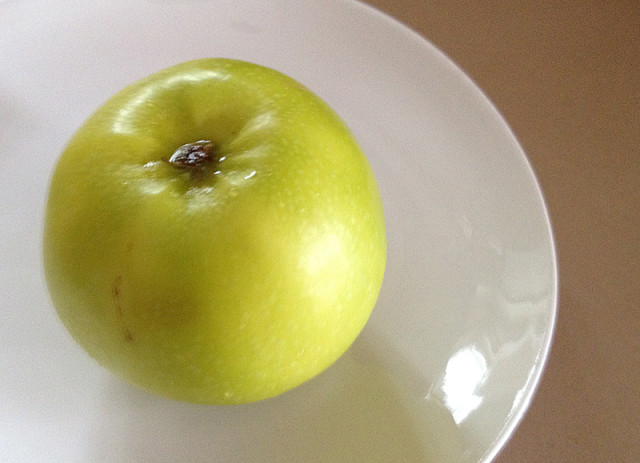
{"x":447,"y":365}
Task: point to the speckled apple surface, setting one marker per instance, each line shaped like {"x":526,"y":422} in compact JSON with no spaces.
{"x":214,"y":234}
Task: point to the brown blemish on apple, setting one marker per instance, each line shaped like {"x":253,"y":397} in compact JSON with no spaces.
{"x":115,"y":290}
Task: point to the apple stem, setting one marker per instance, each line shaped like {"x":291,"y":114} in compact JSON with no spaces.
{"x":193,"y":156}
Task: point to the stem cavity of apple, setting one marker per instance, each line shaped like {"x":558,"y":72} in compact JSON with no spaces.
{"x":194,"y":156}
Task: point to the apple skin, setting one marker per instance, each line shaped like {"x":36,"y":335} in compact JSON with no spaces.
{"x":227,"y":284}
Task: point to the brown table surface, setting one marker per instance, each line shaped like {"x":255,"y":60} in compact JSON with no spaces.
{"x":566,"y":77}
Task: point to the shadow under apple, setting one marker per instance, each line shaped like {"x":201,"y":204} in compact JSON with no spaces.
{"x":368,"y":407}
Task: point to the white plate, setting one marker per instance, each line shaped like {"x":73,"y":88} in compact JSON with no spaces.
{"x":451,"y":357}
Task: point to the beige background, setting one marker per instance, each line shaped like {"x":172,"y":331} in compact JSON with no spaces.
{"x":565,"y":75}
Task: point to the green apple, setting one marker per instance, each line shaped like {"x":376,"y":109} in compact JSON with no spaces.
{"x":214,"y":234}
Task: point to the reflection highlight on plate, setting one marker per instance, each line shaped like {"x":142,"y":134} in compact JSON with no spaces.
{"x":464,"y":375}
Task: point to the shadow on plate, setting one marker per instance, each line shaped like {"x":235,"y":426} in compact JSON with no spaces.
{"x":368,"y":407}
